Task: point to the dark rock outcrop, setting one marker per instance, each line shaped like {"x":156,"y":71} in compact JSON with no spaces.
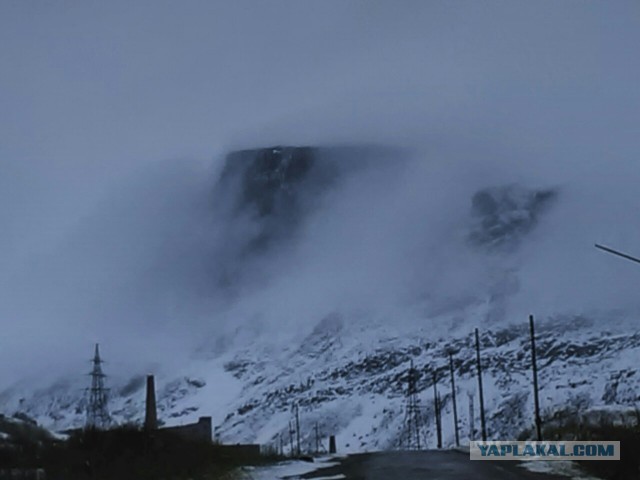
{"x":504,"y":215}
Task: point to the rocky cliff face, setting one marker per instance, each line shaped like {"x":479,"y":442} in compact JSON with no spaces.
{"x":347,"y":369}
{"x":264,"y":196}
{"x":273,"y":187}
{"x":504,"y":215}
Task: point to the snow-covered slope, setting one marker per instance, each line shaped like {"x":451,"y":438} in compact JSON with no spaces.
{"x":354,"y":383}
{"x":351,"y":380}
{"x":329,"y":271}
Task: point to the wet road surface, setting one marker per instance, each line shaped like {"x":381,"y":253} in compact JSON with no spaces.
{"x":425,"y":465}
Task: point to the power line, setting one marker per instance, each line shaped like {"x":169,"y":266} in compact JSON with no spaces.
{"x":619,"y":254}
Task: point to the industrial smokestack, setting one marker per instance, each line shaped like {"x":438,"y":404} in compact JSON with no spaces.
{"x":151,"y":416}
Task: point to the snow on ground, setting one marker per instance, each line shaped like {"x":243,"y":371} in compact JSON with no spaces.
{"x":364,"y":417}
{"x":557,"y":467}
{"x":352,"y":383}
{"x":217,"y":391}
{"x":289,"y":469}
{"x":334,"y":477}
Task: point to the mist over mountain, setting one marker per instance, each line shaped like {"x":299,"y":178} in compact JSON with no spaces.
{"x":274,"y":284}
{"x":242,"y":196}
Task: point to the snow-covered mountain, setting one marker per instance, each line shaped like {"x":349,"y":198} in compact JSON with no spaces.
{"x":351,"y":379}
{"x":331,"y":270}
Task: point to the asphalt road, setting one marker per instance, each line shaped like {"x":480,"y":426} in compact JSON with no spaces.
{"x":426,"y":465}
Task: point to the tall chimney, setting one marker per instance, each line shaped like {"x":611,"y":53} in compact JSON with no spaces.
{"x":151,"y":416}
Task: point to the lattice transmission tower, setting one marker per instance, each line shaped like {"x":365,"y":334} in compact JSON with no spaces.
{"x":413,"y":421}
{"x":97,"y":411}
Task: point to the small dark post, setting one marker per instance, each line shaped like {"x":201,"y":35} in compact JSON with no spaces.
{"x":482,"y":420}
{"x":453,"y":399}
{"x":297,"y":429}
{"x":436,"y":407}
{"x":290,"y":439}
{"x":332,"y":444}
{"x":538,"y":420}
{"x":472,"y":426}
{"x":317,"y":439}
{"x":439,"y":424}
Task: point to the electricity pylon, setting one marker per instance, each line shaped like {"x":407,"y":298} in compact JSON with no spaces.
{"x":97,"y":412}
{"x":413,"y":417}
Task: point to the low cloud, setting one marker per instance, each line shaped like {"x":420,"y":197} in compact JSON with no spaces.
{"x":113,"y":228}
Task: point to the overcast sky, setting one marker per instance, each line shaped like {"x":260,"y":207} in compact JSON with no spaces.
{"x":95,"y":95}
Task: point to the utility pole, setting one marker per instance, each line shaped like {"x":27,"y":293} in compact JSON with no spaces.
{"x":534,"y":365}
{"x":290,"y":439}
{"x":97,"y":412}
{"x":317,"y":439}
{"x":298,"y":429}
{"x":439,"y":424}
{"x":453,"y":398}
{"x":472,"y":426}
{"x":482,"y":419}
{"x":436,"y":406}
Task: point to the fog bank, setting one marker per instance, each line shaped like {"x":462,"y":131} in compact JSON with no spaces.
{"x":117,"y":120}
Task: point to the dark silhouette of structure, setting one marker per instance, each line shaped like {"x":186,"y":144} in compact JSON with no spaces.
{"x":453,"y":399}
{"x":297,"y":411}
{"x":483,"y":424}
{"x":332,"y":444}
{"x":319,"y":446}
{"x":413,"y":417}
{"x":97,"y":411}
{"x":151,"y":413}
{"x":201,"y":430}
{"x":534,"y":366}
{"x":437,"y":410}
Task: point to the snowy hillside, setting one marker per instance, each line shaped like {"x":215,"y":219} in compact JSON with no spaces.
{"x":351,"y":380}
{"x":354,"y":384}
{"x":320,"y":274}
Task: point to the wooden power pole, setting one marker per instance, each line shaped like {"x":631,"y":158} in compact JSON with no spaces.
{"x":436,"y":404}
{"x":297,"y":430}
{"x":483,"y":425}
{"x":453,"y":399}
{"x":534,"y":366}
